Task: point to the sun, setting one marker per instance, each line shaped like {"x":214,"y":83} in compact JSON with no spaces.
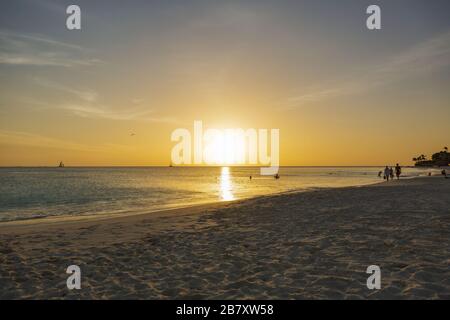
{"x":223,"y":148}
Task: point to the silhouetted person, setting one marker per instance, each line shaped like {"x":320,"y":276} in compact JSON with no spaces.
{"x":380,"y":173}
{"x":386,"y":173}
{"x":444,"y":173}
{"x":391,"y":173}
{"x":398,"y":171}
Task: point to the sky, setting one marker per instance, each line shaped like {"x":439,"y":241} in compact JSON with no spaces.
{"x":112,"y":93}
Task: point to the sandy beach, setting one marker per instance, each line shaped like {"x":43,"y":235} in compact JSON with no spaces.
{"x":306,"y":245}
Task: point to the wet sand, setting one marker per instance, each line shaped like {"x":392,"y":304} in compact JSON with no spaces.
{"x":307,"y":245}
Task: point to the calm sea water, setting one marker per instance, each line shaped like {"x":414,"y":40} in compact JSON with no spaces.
{"x":39,"y":192}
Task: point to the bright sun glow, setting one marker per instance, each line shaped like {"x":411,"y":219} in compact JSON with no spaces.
{"x":225,"y":149}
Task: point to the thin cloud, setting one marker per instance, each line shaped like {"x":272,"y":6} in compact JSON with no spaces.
{"x":80,"y":94}
{"x":87,"y":103}
{"x":35,"y":140}
{"x":20,"y":39}
{"x":102,"y":112}
{"x":98,"y":111}
{"x":426,"y":57}
{"x":38,"y":50}
{"x":48,"y":59}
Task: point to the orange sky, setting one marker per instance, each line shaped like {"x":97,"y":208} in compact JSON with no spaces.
{"x":112,"y":93}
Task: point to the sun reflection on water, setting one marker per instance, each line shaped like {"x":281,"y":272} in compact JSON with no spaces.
{"x":225,"y":185}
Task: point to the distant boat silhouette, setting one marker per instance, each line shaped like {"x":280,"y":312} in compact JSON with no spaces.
{"x":61,"y":164}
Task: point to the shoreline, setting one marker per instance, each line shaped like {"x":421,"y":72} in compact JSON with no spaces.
{"x":168,"y":211}
{"x":304,"y":245}
{"x":49,"y":213}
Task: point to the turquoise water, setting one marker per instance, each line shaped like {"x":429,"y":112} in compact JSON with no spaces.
{"x":39,"y":192}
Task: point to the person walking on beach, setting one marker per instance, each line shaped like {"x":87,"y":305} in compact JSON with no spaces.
{"x":391,"y":173}
{"x":398,"y":171}
{"x":386,"y":173}
{"x":444,"y":173}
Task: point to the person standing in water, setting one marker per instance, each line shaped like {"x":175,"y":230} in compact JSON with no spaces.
{"x":386,"y":173}
{"x":398,"y":171}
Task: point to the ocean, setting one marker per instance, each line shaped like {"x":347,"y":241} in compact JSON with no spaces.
{"x":28,"y":193}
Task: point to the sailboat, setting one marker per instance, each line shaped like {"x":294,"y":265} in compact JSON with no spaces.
{"x":61,"y":164}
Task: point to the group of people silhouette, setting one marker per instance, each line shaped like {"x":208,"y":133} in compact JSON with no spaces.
{"x":389,"y":172}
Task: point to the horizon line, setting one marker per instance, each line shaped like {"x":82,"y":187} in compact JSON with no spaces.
{"x":198,"y":166}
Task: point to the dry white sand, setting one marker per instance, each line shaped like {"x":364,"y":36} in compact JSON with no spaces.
{"x":311,"y":245}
